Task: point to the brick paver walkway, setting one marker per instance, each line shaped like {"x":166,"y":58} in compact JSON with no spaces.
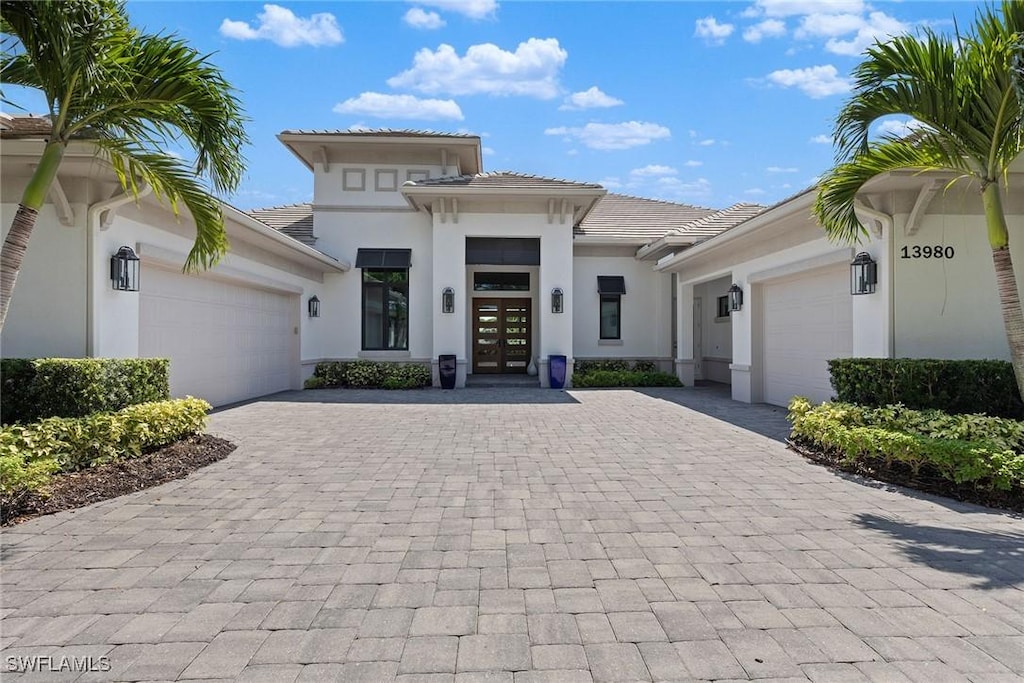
{"x":517,"y":536}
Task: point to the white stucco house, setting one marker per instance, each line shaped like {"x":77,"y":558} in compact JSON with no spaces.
{"x":411,"y":250}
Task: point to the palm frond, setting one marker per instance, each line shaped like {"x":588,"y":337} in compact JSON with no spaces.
{"x":173,"y":181}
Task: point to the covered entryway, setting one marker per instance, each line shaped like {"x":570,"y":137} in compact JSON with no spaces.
{"x":227,"y":342}
{"x":808,"y":320}
{"x":501,"y":335}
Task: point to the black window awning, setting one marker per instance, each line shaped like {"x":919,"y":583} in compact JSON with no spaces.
{"x":611,"y":284}
{"x":384,"y":258}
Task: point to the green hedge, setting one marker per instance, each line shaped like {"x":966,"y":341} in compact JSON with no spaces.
{"x":985,"y":451}
{"x":624,"y":378}
{"x":584,"y":367}
{"x":364,"y":374}
{"x":34,"y":389}
{"x":954,"y":386}
{"x":30,"y":453}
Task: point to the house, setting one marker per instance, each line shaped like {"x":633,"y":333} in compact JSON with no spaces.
{"x":410,"y":250}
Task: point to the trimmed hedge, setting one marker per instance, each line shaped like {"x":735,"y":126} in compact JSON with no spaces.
{"x":39,"y":388}
{"x":954,"y":386}
{"x":978,"y":449}
{"x":365,"y":374}
{"x":584,"y":367}
{"x":30,"y":453}
{"x":624,"y":378}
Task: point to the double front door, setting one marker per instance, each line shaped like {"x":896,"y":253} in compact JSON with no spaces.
{"x":501,"y":335}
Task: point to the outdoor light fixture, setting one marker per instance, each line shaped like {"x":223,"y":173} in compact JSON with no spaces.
{"x":447,"y":300}
{"x":124,"y":270}
{"x":735,"y":298}
{"x":556,"y":300}
{"x":863,"y":274}
{"x":314,"y":306}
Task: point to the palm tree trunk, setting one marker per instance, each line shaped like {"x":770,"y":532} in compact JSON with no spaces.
{"x":1006,"y":280}
{"x":12,"y":254}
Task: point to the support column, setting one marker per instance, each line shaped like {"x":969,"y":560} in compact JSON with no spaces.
{"x":555,"y":328}
{"x":449,"y":270}
{"x":684,"y":361}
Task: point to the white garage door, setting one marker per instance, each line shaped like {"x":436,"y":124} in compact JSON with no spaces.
{"x":808,"y":320}
{"x":226,"y":342}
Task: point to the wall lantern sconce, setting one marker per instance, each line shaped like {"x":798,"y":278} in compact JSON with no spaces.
{"x":314,"y":306}
{"x":863,"y":274}
{"x":735,"y":298}
{"x":447,"y":300}
{"x":124,"y":270}
{"x":556,"y":300}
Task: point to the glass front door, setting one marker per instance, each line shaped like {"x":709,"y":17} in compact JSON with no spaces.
{"x":501,"y":335}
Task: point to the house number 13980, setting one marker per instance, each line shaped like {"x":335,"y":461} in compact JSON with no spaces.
{"x":927,"y":251}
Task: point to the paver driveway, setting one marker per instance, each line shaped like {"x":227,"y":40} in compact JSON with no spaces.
{"x":518,"y":535}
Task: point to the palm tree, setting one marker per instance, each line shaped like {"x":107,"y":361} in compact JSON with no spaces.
{"x":969,"y":94}
{"x":129,"y":93}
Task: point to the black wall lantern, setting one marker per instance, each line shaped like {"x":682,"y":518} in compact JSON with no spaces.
{"x":735,"y":298}
{"x":556,"y":300}
{"x":447,"y":300}
{"x":863,"y":274}
{"x":124,"y":270}
{"x":314,"y":306}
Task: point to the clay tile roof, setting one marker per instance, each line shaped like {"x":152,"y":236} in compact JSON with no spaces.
{"x":619,"y":216}
{"x":12,"y":127}
{"x":716,"y":222}
{"x":503,"y":180}
{"x":294,"y":220}
{"x":380,"y":133}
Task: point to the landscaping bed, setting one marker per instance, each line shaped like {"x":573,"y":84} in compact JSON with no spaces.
{"x":101,"y":482}
{"x":971,"y":457}
{"x":366,"y":374}
{"x":620,"y":373}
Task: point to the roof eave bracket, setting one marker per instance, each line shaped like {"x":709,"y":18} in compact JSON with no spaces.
{"x":924,"y":199}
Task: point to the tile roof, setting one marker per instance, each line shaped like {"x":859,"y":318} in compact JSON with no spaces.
{"x":619,"y":216}
{"x":503,"y":180}
{"x":716,"y":222}
{"x":12,"y":127}
{"x":294,"y":220}
{"x":381,"y":133}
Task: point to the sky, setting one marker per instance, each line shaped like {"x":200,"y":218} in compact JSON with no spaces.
{"x":706,"y":103}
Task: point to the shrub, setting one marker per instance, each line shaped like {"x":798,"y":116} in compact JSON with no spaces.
{"x":331,"y":373}
{"x":645,"y":366}
{"x":315,"y":382}
{"x":584,"y":367}
{"x":625,"y":378}
{"x":365,"y":374}
{"x":960,"y":448}
{"x":73,"y":387}
{"x":954,"y":386}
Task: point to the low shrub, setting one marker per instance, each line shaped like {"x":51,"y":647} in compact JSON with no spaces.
{"x":953,"y":386}
{"x":585,"y":367}
{"x":977,"y":449}
{"x":30,"y":453}
{"x":365,"y":374}
{"x":34,"y":389}
{"x":624,"y":378}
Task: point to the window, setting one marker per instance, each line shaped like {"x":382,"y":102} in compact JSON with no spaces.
{"x":611,"y":318}
{"x":385,"y":309}
{"x":501,"y":282}
{"x":723,"y":306}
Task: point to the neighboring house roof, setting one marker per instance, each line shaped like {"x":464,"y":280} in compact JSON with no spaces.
{"x":716,"y":222}
{"x":503,"y":180}
{"x":379,"y":133}
{"x":13,"y":127}
{"x":294,"y":220}
{"x":619,"y":216}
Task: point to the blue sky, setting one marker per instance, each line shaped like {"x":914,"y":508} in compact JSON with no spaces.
{"x":708,"y":103}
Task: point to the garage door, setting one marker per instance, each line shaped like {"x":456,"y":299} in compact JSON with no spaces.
{"x":808,"y":319}
{"x":226,"y":342}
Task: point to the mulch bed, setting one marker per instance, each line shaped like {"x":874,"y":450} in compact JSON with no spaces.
{"x":76,"y":489}
{"x":927,"y":479}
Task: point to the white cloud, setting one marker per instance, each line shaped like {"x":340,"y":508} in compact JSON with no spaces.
{"x":614,"y":135}
{"x":591,"y":98}
{"x":675,"y":188}
{"x":879,"y":26}
{"x":707,"y":142}
{"x":712,"y":32}
{"x":488,"y":151}
{"x":828,"y":25}
{"x":782,"y":169}
{"x":822,"y":139}
{"x":815,"y":81}
{"x":693,"y":163}
{"x":769,"y":28}
{"x":531,"y":70}
{"x":420,"y":18}
{"x":474,"y":9}
{"x":408,"y":107}
{"x":611,"y":183}
{"x":755,"y":192}
{"x":280,"y":25}
{"x":653,"y":171}
{"x":898,"y":127}
{"x":789,"y":8}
